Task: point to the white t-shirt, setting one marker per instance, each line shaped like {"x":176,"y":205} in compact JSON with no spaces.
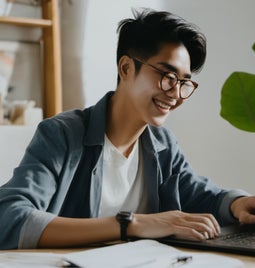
{"x":122,"y":182}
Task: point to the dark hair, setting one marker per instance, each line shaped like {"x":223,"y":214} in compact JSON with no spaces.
{"x":143,"y":36}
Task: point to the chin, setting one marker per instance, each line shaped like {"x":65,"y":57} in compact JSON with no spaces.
{"x":157,"y":123}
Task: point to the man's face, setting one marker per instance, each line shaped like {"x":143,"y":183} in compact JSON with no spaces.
{"x":149,"y":103}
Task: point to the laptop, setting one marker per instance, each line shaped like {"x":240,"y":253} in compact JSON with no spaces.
{"x":238,"y":239}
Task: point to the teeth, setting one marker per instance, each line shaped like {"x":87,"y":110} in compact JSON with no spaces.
{"x":162,"y":105}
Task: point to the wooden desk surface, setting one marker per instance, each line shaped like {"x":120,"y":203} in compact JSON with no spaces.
{"x":247,"y":260}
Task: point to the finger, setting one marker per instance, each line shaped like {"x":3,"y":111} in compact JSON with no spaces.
{"x":189,"y":234}
{"x":247,"y":218}
{"x":204,"y":223}
{"x":215,"y":224}
{"x":209,"y":220}
{"x":198,"y":224}
{"x":206,"y":235}
{"x":206,"y":230}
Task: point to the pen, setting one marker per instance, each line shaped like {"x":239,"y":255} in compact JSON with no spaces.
{"x":180,"y":260}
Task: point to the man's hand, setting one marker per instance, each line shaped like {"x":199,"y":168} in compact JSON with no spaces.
{"x":243,"y":208}
{"x":182,"y":225}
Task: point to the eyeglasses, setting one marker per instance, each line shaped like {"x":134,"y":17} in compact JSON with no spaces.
{"x":169,"y":80}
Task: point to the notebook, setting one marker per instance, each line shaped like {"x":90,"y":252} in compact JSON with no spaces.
{"x":239,"y":239}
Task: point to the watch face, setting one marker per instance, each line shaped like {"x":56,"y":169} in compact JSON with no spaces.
{"x":124,"y":216}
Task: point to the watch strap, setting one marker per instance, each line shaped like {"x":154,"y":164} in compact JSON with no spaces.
{"x":124,"y":218}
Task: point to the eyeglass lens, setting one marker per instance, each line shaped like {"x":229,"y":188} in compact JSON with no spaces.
{"x":170,"y":80}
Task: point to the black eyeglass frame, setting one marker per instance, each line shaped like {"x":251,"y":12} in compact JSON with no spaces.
{"x":165,"y":74}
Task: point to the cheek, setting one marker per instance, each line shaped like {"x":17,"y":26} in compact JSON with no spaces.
{"x":147,"y":85}
{"x":142,"y":92}
{"x":179,"y":103}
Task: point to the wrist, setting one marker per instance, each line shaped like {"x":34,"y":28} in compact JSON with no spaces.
{"x":234,"y":206}
{"x":137,"y":227}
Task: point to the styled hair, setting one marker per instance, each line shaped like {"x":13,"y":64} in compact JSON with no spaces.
{"x":143,"y":36}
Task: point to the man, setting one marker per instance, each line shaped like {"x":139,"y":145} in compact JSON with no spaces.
{"x":83,"y":167}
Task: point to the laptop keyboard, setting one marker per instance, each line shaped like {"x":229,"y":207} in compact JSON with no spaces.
{"x":234,"y":239}
{"x":240,"y":239}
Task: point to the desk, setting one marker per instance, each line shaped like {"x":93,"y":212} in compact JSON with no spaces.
{"x":247,"y":260}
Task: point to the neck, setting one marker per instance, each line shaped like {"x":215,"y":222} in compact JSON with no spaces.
{"x":122,"y":129}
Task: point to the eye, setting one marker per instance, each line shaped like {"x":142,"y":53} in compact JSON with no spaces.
{"x":187,"y":83}
{"x":171,"y":77}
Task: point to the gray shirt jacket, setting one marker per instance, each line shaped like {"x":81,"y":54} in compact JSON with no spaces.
{"x":61,"y":174}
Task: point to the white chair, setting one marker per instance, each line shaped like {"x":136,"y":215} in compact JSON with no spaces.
{"x":13,"y":142}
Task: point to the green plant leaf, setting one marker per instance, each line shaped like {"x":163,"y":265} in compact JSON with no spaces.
{"x":253,"y":47}
{"x":238,"y":101}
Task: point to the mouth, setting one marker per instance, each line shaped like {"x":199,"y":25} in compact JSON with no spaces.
{"x":162,"y":105}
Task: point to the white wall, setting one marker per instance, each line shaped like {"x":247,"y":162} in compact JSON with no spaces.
{"x":102,"y":17}
{"x":214,"y":148}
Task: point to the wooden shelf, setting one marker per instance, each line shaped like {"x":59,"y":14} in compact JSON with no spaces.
{"x":52,"y":81}
{"x":26,"y":21}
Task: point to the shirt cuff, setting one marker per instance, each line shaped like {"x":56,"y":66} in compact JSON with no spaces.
{"x":33,"y":227}
{"x":224,"y":211}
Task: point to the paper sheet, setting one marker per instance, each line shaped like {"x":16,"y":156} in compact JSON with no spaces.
{"x":146,"y":253}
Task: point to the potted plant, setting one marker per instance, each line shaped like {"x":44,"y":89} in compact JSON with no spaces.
{"x":238,"y":100}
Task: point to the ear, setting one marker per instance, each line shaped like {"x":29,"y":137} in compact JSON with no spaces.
{"x":125,"y":67}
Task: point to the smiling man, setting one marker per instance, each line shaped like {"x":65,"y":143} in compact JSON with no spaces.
{"x":112,"y":171}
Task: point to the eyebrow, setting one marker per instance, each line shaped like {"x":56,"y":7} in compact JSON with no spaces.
{"x":171,"y":68}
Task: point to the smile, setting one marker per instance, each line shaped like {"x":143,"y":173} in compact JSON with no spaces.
{"x":162,"y":105}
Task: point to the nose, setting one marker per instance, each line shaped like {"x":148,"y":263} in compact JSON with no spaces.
{"x":174,"y":92}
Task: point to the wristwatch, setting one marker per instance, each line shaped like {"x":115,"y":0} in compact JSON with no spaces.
{"x":124,"y":218}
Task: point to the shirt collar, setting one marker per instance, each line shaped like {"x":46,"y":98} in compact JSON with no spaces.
{"x":97,"y":122}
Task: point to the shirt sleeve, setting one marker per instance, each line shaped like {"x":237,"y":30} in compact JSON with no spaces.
{"x":33,"y":228}
{"x":32,"y":188}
